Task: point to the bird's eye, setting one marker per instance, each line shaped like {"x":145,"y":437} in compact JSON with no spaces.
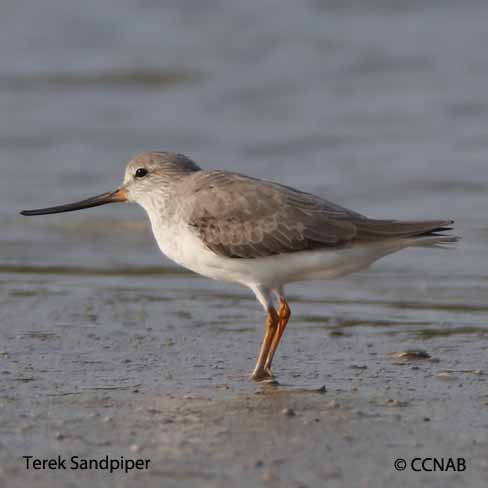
{"x":141,"y":172}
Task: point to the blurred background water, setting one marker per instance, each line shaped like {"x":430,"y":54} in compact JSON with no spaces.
{"x":379,"y":105}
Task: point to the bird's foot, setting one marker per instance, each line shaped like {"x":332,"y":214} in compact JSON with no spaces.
{"x":263,"y":375}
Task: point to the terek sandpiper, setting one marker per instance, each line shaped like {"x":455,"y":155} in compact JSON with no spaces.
{"x":260,"y":234}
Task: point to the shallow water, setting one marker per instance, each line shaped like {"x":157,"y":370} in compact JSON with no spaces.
{"x":380,"y":106}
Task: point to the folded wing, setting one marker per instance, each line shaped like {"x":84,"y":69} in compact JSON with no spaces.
{"x":241,"y":217}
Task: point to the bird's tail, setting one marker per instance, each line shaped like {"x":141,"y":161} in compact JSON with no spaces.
{"x":423,"y":233}
{"x":437,"y":241}
{"x":372,"y":229}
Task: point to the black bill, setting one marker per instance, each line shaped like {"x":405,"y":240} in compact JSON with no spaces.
{"x":119,"y":195}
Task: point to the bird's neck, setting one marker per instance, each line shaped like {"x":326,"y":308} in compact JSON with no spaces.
{"x":160,"y":208}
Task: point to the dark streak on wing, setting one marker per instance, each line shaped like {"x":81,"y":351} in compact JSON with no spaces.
{"x":241,"y":217}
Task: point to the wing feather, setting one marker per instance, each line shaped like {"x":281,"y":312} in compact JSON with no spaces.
{"x":241,"y":217}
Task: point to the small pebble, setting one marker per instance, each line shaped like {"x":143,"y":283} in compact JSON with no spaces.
{"x":402,"y":357}
{"x":268,"y":475}
{"x":336,"y":333}
{"x":289,"y":412}
{"x":332,"y":404}
{"x":445,"y":375}
{"x":395,"y":403}
{"x":153,"y":410}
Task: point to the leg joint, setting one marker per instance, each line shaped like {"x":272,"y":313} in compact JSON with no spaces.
{"x":285,"y":311}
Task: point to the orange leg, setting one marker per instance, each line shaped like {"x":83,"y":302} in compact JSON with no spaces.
{"x":284,"y":314}
{"x":272,"y":320}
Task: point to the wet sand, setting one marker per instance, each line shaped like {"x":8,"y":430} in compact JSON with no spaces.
{"x":269,"y":437}
{"x":155,"y":367}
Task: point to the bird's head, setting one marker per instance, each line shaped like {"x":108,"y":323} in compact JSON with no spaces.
{"x":148,"y":178}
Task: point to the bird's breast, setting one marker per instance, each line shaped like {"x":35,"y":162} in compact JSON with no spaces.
{"x":182,"y":246}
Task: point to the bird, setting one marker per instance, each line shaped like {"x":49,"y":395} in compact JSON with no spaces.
{"x":256,"y":233}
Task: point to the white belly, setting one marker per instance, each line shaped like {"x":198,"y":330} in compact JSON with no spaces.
{"x":186,"y":249}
